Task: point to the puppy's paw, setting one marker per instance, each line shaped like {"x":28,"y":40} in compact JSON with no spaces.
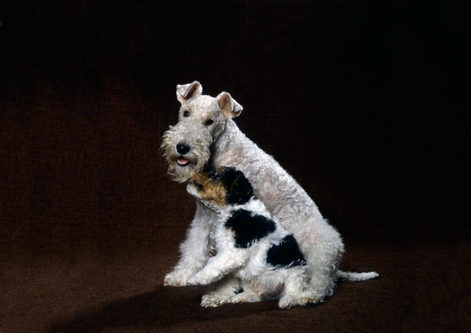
{"x":177,"y":278}
{"x":199,"y":279}
{"x":246,"y":297}
{"x":287,"y":301}
{"x":213,"y":300}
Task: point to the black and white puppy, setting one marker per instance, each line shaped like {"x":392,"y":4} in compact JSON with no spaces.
{"x":256,"y":258}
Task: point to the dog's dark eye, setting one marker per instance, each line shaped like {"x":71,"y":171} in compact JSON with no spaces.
{"x":217,"y":177}
{"x":209,"y":122}
{"x":186,"y":114}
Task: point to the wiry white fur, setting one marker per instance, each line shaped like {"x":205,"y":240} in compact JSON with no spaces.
{"x":223,"y":144}
{"x":246,"y":268}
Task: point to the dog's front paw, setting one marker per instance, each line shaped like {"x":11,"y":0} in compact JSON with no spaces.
{"x":177,"y":278}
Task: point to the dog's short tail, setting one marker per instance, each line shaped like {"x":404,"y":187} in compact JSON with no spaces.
{"x":353,"y":277}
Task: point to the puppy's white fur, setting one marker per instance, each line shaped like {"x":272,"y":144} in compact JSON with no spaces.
{"x":246,"y":268}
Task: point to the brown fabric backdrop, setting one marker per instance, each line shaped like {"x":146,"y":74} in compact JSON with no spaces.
{"x":365,"y":104}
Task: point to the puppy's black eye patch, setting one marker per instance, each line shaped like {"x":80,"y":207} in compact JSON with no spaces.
{"x":209,"y":122}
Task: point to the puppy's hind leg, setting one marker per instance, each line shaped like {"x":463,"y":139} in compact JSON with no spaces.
{"x":295,"y":291}
{"x":225,"y":290}
{"x":248,"y":295}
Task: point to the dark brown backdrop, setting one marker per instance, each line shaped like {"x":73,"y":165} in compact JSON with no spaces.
{"x":365,"y":104}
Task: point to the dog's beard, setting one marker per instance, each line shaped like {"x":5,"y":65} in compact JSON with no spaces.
{"x":197,"y":158}
{"x":182,"y":174}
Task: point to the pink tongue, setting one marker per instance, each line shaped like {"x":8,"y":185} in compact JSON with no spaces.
{"x":182,"y":161}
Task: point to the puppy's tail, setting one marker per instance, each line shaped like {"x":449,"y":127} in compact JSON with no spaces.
{"x":353,"y":277}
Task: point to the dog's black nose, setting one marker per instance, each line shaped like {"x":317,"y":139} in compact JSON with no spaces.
{"x":182,"y":148}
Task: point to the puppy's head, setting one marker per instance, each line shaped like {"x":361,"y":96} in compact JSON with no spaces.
{"x":220,"y":187}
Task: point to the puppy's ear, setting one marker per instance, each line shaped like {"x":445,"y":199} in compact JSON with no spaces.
{"x":187,"y":91}
{"x":240,"y":190}
{"x":229,"y":107}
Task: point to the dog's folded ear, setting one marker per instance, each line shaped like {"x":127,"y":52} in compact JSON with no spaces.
{"x":187,"y":91}
{"x":240,"y":190}
{"x":229,"y":106}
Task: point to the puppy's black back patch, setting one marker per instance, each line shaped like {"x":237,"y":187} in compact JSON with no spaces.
{"x":248,"y":228}
{"x":286,"y":254}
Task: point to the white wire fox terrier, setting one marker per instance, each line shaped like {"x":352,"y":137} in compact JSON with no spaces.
{"x":257,"y":258}
{"x":206,"y":137}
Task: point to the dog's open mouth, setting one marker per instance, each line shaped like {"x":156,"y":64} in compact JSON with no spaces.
{"x":181,"y":161}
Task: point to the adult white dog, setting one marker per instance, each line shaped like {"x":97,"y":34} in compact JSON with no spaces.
{"x":206,"y":136}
